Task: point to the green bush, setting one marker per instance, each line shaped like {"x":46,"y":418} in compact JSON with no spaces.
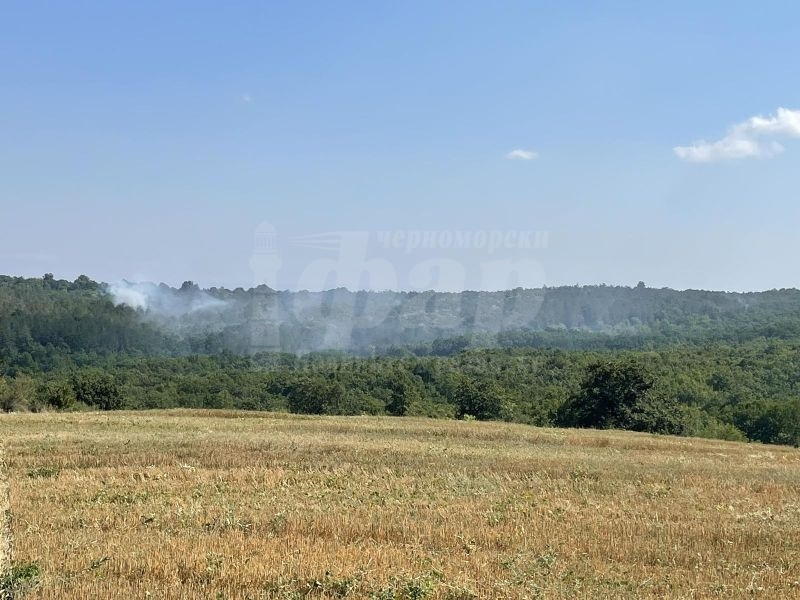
{"x":19,"y":580}
{"x":17,"y":394}
{"x":56,"y":394}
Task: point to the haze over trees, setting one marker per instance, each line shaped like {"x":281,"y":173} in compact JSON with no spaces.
{"x":699,"y":363}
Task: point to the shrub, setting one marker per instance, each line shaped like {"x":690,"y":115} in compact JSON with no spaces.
{"x":17,"y":394}
{"x":19,"y":580}
{"x":56,"y":394}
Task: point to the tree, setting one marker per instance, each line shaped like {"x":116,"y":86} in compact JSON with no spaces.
{"x":449,"y":346}
{"x":481,"y":399}
{"x":96,"y":388}
{"x":770,"y":422}
{"x":314,"y":396}
{"x":403,"y":393}
{"x":620,"y":394}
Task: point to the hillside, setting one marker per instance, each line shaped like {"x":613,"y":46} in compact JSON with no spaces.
{"x":42,"y":319}
{"x":226,"y":504}
{"x":710,"y":364}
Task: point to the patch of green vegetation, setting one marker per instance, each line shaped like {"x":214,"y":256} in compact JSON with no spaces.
{"x":20,"y":580}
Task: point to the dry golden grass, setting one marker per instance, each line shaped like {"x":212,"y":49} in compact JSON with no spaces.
{"x":196,"y":504}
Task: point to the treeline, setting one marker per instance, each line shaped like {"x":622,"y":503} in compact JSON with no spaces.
{"x":742,"y":392}
{"x":693,"y":363}
{"x":46,"y":322}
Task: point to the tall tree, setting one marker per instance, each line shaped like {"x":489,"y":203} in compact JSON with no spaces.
{"x":619,"y":394}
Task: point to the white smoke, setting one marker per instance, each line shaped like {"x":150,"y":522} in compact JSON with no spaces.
{"x":162,"y":300}
{"x":127,"y":294}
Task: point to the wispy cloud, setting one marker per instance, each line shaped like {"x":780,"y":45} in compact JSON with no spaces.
{"x":754,"y":138}
{"x":247,"y":98}
{"x":520,"y":154}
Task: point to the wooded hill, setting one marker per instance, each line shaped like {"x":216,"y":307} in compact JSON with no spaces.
{"x":687,"y":362}
{"x":41,"y":320}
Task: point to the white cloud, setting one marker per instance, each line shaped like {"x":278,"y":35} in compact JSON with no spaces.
{"x":520,"y":154}
{"x":247,"y":98}
{"x":754,"y":138}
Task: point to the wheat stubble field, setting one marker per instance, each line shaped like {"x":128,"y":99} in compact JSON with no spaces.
{"x":191,"y":504}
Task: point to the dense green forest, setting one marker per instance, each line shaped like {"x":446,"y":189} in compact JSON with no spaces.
{"x":692,"y":363}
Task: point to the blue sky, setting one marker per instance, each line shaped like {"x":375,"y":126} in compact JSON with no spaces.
{"x":148,"y":140}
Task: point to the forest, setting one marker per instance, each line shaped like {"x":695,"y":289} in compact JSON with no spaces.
{"x":707,"y":364}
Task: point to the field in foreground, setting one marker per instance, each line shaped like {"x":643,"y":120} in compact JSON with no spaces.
{"x":243,"y":505}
